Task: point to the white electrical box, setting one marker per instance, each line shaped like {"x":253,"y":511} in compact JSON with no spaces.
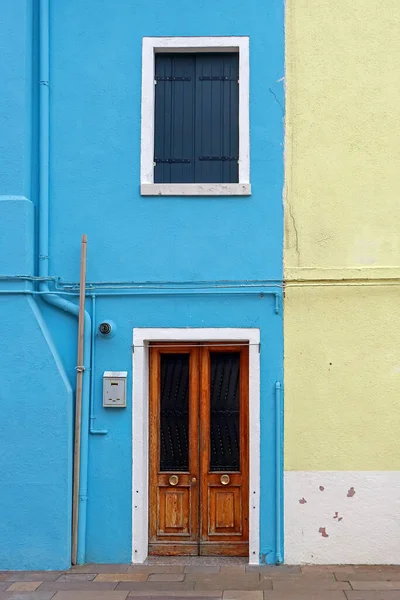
{"x":114,"y":389}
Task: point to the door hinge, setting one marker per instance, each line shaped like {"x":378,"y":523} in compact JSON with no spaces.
{"x":224,"y":158}
{"x":160,"y":78}
{"x":217,"y":78}
{"x":172,"y":160}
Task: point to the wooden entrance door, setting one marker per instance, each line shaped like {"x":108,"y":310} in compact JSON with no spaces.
{"x":199,"y":463}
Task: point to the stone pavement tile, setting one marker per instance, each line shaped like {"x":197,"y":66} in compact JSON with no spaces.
{"x":375,"y":585}
{"x":149,"y":569}
{"x":26,"y":595}
{"x":370,"y":575}
{"x":205,"y":569}
{"x":247,"y":581}
{"x":191,"y":594}
{"x":308,"y":584}
{"x":24,"y":586}
{"x":326,"y":568}
{"x":315,"y":574}
{"x":4,"y":585}
{"x":76,"y":577}
{"x":242,"y":595}
{"x":232,"y":585}
{"x":274,"y":571}
{"x":376,"y":568}
{"x":86,"y":595}
{"x":33,"y":575}
{"x":345,"y":575}
{"x":158,"y":586}
{"x":233,"y":570}
{"x":121,"y":577}
{"x":265,"y":583}
{"x":373,"y":595}
{"x":311,"y":595}
{"x":99,"y":568}
{"x":79,"y":586}
{"x":166,"y":577}
{"x":305,"y":579}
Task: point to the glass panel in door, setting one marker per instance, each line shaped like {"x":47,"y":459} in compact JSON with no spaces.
{"x":174,"y":412}
{"x":225,"y":411}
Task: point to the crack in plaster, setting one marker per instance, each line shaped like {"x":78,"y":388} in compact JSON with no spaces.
{"x":277,"y":100}
{"x":296,"y":233}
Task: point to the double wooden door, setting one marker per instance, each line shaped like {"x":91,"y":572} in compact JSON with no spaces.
{"x":199,"y":463}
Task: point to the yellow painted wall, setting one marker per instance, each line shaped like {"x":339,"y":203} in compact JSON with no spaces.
{"x":342,"y":221}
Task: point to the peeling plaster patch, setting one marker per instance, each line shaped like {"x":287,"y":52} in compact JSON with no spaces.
{"x":322,"y":531}
{"x":351,"y":492}
{"x":321,"y":488}
{"x":303,"y":501}
{"x":368,"y":516}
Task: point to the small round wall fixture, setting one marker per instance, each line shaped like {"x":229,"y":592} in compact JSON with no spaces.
{"x":107,"y":329}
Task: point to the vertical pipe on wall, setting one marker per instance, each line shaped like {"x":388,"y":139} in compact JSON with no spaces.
{"x":92,"y":418}
{"x":44,"y":113}
{"x":78,"y":402}
{"x":278,"y":471}
{"x":43,"y":244}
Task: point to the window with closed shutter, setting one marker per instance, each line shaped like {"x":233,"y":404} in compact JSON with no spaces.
{"x":196,"y":118}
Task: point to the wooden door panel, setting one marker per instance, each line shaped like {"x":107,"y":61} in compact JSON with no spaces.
{"x":174,"y":511}
{"x":173,"y":436}
{"x":198,"y":433}
{"x":213,"y":548}
{"x":225,"y":511}
{"x":224,"y":468}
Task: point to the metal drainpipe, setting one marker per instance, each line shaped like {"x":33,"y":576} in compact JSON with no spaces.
{"x":54,"y":300}
{"x":278,"y":471}
{"x":92,"y":430}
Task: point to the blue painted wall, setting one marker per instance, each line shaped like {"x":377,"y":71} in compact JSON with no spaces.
{"x":95,"y":95}
{"x":35,"y":395}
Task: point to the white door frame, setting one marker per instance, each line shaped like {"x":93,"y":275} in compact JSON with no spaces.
{"x":140,"y":426}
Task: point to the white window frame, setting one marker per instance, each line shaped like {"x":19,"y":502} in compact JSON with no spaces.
{"x":140,"y":425}
{"x":152,"y":45}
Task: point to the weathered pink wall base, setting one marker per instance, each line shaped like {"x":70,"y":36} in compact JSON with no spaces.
{"x":342,"y":517}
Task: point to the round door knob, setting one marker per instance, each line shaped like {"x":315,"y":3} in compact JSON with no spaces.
{"x":173,"y":480}
{"x":194,"y":479}
{"x":225,"y":479}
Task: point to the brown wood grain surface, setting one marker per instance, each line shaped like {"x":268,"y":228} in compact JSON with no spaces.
{"x":199,"y":515}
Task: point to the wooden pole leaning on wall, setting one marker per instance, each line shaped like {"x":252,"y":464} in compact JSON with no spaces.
{"x":78,"y":402}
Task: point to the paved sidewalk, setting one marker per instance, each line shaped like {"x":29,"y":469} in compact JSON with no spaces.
{"x":210,"y":579}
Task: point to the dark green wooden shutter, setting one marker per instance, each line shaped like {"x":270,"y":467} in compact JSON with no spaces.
{"x":196,"y":118}
{"x":174,"y":118}
{"x":217,"y":118}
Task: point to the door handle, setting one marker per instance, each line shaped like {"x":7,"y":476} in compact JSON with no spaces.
{"x":225,"y":479}
{"x":193,"y":479}
{"x":173,"y":480}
